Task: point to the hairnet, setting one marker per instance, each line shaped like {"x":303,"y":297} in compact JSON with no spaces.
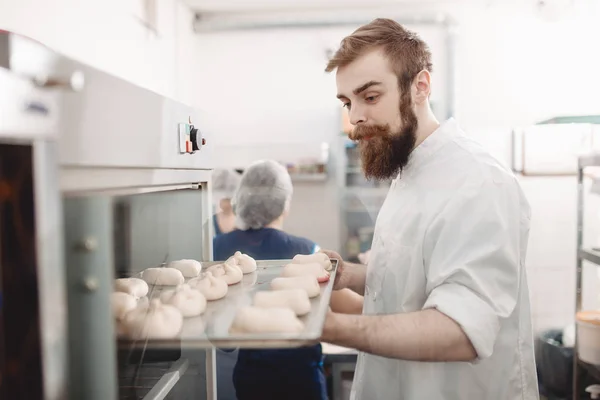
{"x":225,"y":182}
{"x":263,"y":195}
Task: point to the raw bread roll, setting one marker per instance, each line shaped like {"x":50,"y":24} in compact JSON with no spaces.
{"x":265,"y":320}
{"x":212,"y":288}
{"x":155,"y":321}
{"x":250,"y":279}
{"x":163,"y":276}
{"x":120,"y":329}
{"x":134,"y":286}
{"x":320,"y":258}
{"x":190,"y":302}
{"x":314,"y":269}
{"x":229,"y":272}
{"x":296,"y":299}
{"x":188,"y":268}
{"x":121,"y":303}
{"x":192,"y":328}
{"x":143,"y":302}
{"x":307,"y":283}
{"x":246,"y":263}
{"x":216,"y":270}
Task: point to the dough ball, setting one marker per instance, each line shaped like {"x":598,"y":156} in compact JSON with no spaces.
{"x":251,"y":319}
{"x":189,"y":301}
{"x":193,"y":328}
{"x":246,"y":263}
{"x":120,"y":329}
{"x":307,"y":283}
{"x":320,"y":258}
{"x":212,"y":288}
{"x":122,"y":303}
{"x":155,"y":321}
{"x":250,"y":279}
{"x":229,"y":272}
{"x":314,"y":269}
{"x":134,"y":286}
{"x":188,"y":268}
{"x":163,"y":276}
{"x":143,"y":302}
{"x":295,"y":299}
{"x":216,"y":270}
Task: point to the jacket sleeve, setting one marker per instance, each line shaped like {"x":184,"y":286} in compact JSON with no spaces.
{"x":473,"y":259}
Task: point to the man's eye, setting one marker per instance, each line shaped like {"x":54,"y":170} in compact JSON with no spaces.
{"x":371,"y":99}
{"x":346,"y":105}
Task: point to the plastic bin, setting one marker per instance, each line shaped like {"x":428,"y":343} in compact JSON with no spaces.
{"x":554,"y":364}
{"x":555,"y":367}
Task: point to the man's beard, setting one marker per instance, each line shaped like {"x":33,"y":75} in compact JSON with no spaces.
{"x":385,"y":153}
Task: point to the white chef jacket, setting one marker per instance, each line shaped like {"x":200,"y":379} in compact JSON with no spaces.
{"x":452,"y":235}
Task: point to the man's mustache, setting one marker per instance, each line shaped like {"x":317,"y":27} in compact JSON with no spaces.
{"x":365,"y":132}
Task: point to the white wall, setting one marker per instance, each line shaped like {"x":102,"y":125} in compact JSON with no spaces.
{"x":106,"y":35}
{"x":513,"y":69}
{"x":516,"y":69}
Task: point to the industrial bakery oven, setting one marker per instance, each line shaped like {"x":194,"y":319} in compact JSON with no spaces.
{"x":99,"y":179}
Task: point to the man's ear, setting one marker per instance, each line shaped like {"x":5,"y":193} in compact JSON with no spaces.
{"x":421,"y":87}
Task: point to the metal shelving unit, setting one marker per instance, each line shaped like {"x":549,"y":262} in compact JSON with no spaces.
{"x":583,"y":254}
{"x":361,"y":201}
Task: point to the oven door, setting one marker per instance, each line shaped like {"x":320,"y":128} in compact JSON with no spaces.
{"x":118,"y":232}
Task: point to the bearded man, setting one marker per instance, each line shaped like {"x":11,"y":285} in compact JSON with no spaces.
{"x":446,"y":310}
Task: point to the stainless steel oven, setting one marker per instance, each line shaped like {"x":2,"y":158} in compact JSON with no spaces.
{"x":98,"y":179}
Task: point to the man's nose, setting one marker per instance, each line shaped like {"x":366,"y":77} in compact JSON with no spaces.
{"x":357,"y":116}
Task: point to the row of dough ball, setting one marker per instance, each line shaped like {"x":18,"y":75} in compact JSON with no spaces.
{"x":272,"y":312}
{"x":160,"y":318}
{"x":163,"y":318}
{"x":177,"y":271}
{"x":277,"y":311}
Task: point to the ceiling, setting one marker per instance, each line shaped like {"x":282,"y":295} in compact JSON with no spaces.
{"x":225,"y":6}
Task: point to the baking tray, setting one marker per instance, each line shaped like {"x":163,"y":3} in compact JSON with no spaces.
{"x":211,"y":329}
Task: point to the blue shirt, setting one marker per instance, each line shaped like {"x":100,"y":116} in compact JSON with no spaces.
{"x":266,"y":374}
{"x":216,"y":225}
{"x":261,"y":244}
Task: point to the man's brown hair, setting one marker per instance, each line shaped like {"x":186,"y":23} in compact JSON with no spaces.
{"x":407,"y":52}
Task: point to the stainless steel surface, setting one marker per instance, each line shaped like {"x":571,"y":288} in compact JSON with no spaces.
{"x":211,"y":329}
{"x":93,"y":373}
{"x":337,"y":370}
{"x":166,"y":383}
{"x":51,"y":271}
{"x":107,"y":122}
{"x":122,"y":181}
{"x":27,"y":113}
{"x":30,"y":115}
{"x":211,"y":374}
{"x":589,"y":160}
{"x":207,"y":246}
{"x":74,"y":82}
{"x":219,"y":22}
{"x":590,"y":255}
{"x":136,"y":128}
{"x":4,"y":51}
{"x":582,"y":254}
